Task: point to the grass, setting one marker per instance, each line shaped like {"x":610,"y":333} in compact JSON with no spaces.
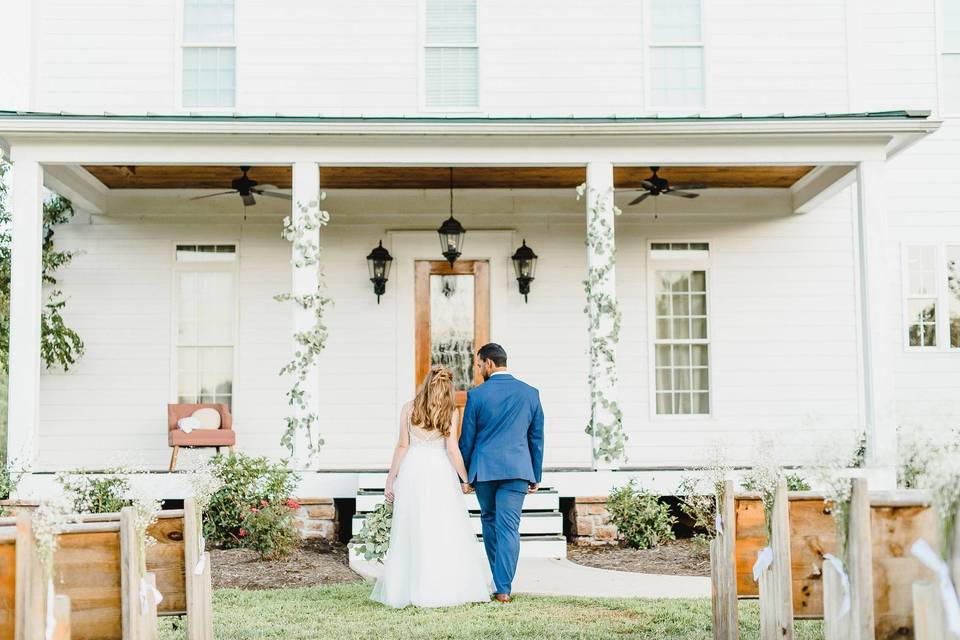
{"x":344,"y":612}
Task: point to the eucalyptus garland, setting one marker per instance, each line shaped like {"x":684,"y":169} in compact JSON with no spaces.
{"x":299,"y":231}
{"x":602,"y":309}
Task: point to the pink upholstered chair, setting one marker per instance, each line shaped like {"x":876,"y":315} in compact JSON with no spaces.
{"x":176,"y":438}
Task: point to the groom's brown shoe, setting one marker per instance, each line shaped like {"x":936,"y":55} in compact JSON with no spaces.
{"x":501,"y":597}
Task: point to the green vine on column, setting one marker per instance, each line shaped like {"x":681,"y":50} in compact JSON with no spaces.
{"x":311,"y":342}
{"x":608,"y":437}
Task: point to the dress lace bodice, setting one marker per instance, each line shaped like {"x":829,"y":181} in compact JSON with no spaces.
{"x":420,"y":437}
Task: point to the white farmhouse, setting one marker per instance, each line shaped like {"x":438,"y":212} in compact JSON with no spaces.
{"x":809,"y":291}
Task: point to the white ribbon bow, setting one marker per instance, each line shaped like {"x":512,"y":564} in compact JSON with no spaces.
{"x":844,"y":581}
{"x":925,"y":553}
{"x":197,"y":570}
{"x":145,"y":589}
{"x":51,"y":619}
{"x":718,"y":523}
{"x":764,"y":560}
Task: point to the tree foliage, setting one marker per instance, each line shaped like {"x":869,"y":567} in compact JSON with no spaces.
{"x":59,"y":344}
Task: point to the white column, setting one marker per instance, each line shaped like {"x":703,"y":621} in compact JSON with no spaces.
{"x":599,"y":196}
{"x":23,"y":417}
{"x":877,"y":335}
{"x":306,"y":194}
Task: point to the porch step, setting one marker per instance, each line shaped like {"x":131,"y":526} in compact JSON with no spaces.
{"x":536,"y":524}
{"x":545,"y":499}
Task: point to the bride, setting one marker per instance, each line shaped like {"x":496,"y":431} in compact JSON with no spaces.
{"x":434,"y":558}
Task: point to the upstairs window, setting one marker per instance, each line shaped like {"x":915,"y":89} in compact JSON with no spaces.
{"x":931,"y":285}
{"x":451,"y":54}
{"x":675,"y":55}
{"x":950,"y":56}
{"x":209,"y":54}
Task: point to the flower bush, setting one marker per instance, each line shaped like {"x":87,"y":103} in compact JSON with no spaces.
{"x":269,"y":529}
{"x":95,"y":493}
{"x":244,"y":482}
{"x":374,"y":538}
{"x":641,"y":519}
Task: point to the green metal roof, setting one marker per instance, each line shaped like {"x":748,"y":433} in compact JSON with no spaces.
{"x":208,"y":117}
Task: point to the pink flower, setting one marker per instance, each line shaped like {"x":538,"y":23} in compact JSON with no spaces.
{"x":264,"y":503}
{"x":254,"y":510}
{"x":243,"y":533}
{"x":293,"y":504}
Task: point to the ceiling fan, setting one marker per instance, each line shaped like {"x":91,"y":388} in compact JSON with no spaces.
{"x":246,"y":187}
{"x":655,"y":186}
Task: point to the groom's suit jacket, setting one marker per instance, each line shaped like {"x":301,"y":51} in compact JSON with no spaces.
{"x":502,"y":434}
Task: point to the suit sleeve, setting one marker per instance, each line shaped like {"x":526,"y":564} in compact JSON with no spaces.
{"x":535,"y":440}
{"x":468,"y":432}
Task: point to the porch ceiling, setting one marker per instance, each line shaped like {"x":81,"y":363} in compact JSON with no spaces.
{"x":219,"y":176}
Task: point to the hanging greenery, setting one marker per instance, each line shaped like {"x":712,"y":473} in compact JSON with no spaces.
{"x":602,"y":310}
{"x":299,"y":231}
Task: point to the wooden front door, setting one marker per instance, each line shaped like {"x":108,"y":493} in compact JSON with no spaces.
{"x":452,"y":306}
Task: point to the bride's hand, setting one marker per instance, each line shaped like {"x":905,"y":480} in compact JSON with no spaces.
{"x":388,"y":491}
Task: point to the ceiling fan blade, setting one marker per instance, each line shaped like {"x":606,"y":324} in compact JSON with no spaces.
{"x":646,"y":184}
{"x":682,"y":194}
{"x":248,"y":200}
{"x":639,"y":199}
{"x":211,"y":195}
{"x":692,"y":187}
{"x":273,"y":194}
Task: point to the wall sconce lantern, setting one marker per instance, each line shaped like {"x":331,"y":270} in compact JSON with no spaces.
{"x":524,"y":265}
{"x":451,"y":232}
{"x":379,"y":262}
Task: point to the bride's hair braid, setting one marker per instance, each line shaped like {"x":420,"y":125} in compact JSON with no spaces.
{"x":434,"y":402}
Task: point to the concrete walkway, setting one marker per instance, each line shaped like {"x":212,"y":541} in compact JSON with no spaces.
{"x":546,"y":576}
{"x":552,"y":577}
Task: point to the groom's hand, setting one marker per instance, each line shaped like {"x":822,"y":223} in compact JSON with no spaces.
{"x":533,"y":487}
{"x":466,"y":487}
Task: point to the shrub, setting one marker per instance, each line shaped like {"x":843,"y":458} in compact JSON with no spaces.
{"x":700,"y":508}
{"x":642,"y":520}
{"x":796,"y":482}
{"x":247,"y":482}
{"x":269,"y":529}
{"x":95,"y":493}
{"x":374,"y":538}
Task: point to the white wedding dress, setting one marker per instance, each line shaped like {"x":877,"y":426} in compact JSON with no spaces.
{"x":434,"y":558}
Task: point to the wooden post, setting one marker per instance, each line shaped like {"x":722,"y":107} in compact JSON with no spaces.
{"x":61,"y":613}
{"x":723,"y":571}
{"x":199,"y":592}
{"x":130,"y":575}
{"x":860,"y":562}
{"x":776,"y":593}
{"x":835,"y":626}
{"x":929,"y":620}
{"x":30,"y":590}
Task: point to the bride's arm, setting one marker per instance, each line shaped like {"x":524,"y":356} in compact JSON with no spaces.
{"x":453,"y":448}
{"x":399,"y":452}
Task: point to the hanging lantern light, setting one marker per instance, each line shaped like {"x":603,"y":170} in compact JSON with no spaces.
{"x":378,"y":262}
{"x":524,"y":265}
{"x":451,"y":232}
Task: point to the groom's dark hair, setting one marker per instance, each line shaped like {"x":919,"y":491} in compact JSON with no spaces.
{"x":493,"y":351}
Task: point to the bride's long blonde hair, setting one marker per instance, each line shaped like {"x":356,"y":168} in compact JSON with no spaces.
{"x":434,"y":403}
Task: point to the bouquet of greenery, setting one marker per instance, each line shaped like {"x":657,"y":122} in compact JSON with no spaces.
{"x":374,"y":538}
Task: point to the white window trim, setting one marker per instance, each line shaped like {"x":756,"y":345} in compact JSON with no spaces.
{"x":649,"y":44}
{"x":654,"y":264}
{"x":941,"y":52}
{"x":179,"y":267}
{"x":422,"y":47}
{"x":942,"y":297}
{"x":180,"y":44}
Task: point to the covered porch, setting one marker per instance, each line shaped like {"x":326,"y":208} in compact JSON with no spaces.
{"x":797,"y":329}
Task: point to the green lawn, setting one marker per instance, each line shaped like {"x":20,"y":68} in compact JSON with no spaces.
{"x":343,"y":612}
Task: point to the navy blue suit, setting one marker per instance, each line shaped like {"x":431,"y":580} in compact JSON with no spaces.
{"x":502,"y":447}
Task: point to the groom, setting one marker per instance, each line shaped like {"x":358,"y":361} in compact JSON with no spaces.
{"x":502,"y":445}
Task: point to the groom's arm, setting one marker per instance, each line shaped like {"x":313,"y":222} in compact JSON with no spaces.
{"x":535,"y":440}
{"x":468,"y":432}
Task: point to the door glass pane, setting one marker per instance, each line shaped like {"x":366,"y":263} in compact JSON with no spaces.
{"x":452,"y":326}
